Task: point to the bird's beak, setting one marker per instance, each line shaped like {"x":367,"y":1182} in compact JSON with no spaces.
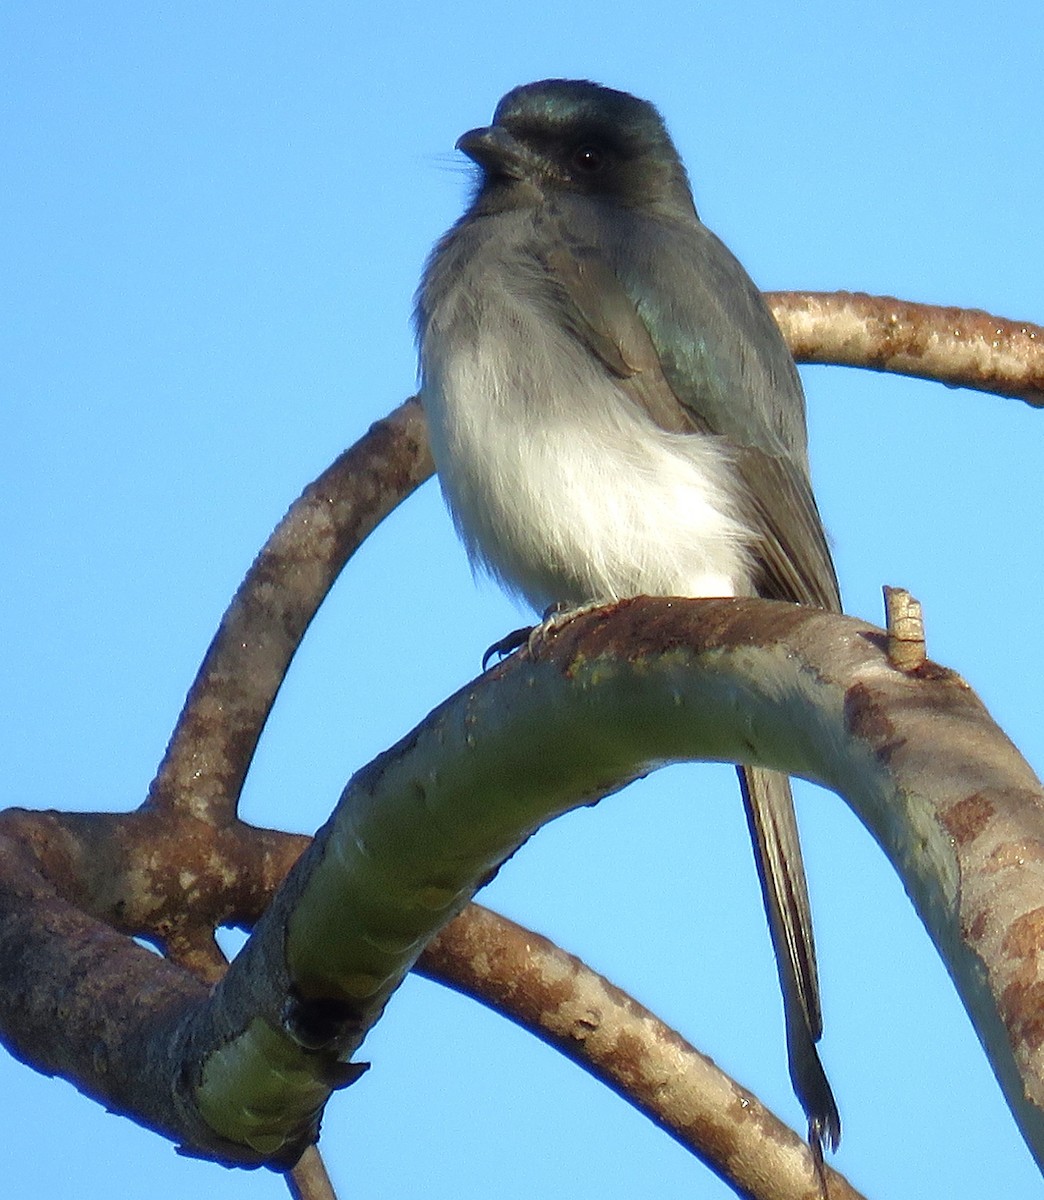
{"x":495,"y":150}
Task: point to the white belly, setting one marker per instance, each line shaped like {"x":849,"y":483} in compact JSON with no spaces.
{"x":563,"y":489}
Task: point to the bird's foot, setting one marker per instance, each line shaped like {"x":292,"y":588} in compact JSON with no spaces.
{"x":531,"y":636}
{"x":555,"y":618}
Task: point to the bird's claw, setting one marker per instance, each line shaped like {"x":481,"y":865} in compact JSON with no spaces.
{"x":508,"y":644}
{"x":531,"y":636}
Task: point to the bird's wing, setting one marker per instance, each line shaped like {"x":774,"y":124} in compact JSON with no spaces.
{"x":791,"y":552}
{"x":706,"y":387}
{"x":690,"y":340}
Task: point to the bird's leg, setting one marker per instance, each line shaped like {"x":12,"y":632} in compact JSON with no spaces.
{"x":557,"y":616}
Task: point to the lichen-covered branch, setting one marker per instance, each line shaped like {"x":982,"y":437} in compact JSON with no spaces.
{"x":71,"y":963}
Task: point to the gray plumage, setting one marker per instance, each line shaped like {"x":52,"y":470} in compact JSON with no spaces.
{"x":614,"y":412}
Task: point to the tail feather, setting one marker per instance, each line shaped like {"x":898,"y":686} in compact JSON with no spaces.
{"x":777,"y":852}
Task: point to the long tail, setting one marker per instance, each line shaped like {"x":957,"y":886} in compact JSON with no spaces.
{"x":777,"y":851}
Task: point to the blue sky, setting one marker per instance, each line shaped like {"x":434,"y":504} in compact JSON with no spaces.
{"x":214,"y":217}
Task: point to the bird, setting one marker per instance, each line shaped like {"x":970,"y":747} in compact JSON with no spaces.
{"x":613,"y":412}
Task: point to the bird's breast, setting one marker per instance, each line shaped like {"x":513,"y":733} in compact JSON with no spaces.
{"x":560,"y":486}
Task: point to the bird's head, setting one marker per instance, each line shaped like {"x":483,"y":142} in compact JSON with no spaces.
{"x":576,"y":136}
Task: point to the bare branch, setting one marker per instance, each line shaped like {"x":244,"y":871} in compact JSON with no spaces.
{"x":216,"y":734}
{"x":156,"y":1015}
{"x":309,"y":1180}
{"x":961,"y":347}
{"x":578,"y":1012}
{"x":228,"y":704}
{"x":89,"y":1000}
{"x":141,"y":852}
{"x":611,"y":695}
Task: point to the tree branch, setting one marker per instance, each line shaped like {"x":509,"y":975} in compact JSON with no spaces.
{"x":213,"y":742}
{"x":622,"y":1044}
{"x":76,"y":966}
{"x":958,"y":346}
{"x":611,"y":695}
{"x":227,"y":706}
{"x":41,"y":935}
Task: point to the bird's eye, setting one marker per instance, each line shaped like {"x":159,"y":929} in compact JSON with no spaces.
{"x":588,"y":158}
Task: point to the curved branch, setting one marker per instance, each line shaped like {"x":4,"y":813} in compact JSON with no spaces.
{"x":613,"y":694}
{"x":236,"y":685}
{"x":212,"y":746}
{"x":214,"y":740}
{"x":556,"y":996}
{"x":44,"y":940}
{"x":960,"y":347}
